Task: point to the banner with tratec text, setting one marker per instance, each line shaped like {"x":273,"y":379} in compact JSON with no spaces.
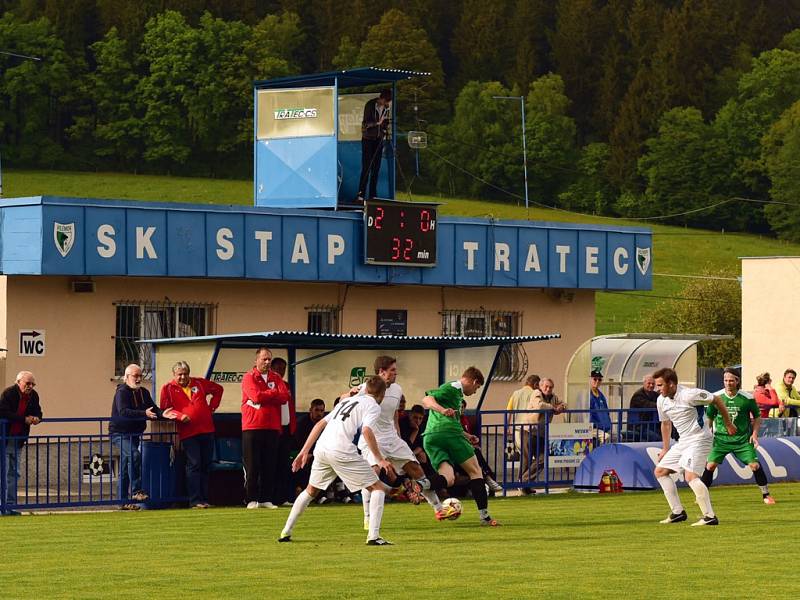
{"x":304,"y":112}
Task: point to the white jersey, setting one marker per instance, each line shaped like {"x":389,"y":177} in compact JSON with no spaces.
{"x":384,"y":428}
{"x":682,"y":410}
{"x":344,"y":423}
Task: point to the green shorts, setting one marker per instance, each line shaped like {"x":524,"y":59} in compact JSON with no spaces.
{"x":447,"y":446}
{"x":745,"y":452}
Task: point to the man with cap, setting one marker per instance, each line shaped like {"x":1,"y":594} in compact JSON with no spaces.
{"x":598,"y":405}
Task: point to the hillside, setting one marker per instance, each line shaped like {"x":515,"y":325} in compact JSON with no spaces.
{"x":676,"y":251}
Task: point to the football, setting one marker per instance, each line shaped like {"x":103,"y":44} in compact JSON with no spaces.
{"x":455,"y":503}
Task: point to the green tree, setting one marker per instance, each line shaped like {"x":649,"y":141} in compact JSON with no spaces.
{"x":592,"y":191}
{"x":781,"y":153}
{"x":480,"y":42}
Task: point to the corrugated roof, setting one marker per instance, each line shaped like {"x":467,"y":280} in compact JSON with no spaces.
{"x":348,"y":78}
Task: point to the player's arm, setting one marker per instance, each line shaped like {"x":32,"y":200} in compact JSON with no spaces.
{"x":726,"y":417}
{"x":372,"y":444}
{"x":430,"y":403}
{"x":666,"y":435}
{"x":756,"y":429}
{"x":302,"y":457}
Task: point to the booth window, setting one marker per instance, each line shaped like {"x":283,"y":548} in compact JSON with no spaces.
{"x":323,"y":318}
{"x":513,"y":362}
{"x":147,"y":320}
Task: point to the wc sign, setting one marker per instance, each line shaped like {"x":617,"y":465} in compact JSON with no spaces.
{"x":31,"y":342}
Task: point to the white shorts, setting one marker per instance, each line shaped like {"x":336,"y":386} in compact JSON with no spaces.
{"x":394,"y":449}
{"x":353,"y":470}
{"x":690,"y":455}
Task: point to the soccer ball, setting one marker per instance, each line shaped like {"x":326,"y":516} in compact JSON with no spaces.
{"x":455,"y":504}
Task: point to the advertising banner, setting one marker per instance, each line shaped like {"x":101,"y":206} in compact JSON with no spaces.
{"x":570,"y":443}
{"x":303,"y":112}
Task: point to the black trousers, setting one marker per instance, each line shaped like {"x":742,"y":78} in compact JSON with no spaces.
{"x":371,"y":158}
{"x":259,"y":455}
{"x":284,"y":478}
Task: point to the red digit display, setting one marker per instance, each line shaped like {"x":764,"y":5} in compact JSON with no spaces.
{"x":409,"y":244}
{"x":378,"y":217}
{"x":399,"y":233}
{"x":424,"y":221}
{"x":395,"y":248}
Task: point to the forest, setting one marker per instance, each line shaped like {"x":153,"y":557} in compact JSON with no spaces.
{"x":676,"y":111}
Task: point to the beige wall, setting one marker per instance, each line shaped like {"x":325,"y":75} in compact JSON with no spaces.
{"x":76,"y":377}
{"x":770,"y":297}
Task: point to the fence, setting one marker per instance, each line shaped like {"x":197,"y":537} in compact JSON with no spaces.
{"x":81,"y":470}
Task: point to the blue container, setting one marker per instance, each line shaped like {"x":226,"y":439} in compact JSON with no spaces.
{"x":158,"y":474}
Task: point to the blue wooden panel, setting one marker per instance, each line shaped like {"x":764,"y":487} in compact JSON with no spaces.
{"x":644,"y":262}
{"x":503,"y":256}
{"x":471,"y":255}
{"x":563,"y":258}
{"x":363,"y":272}
{"x":592,"y":259}
{"x":105,"y":240}
{"x":225,"y":245}
{"x":22,"y":239}
{"x":146,"y":242}
{"x":620,"y":265}
{"x":444,"y":273}
{"x":337,"y":249}
{"x":532,"y":268}
{"x":300,"y":248}
{"x":263,"y":247}
{"x":63,"y":240}
{"x":186,"y":235}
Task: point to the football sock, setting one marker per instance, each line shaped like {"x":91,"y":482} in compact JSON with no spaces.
{"x":437,"y":481}
{"x":707,"y":478}
{"x":433,"y":499}
{"x":671,"y":492}
{"x":478,"y":489}
{"x":761,"y":481}
{"x":703,"y":497}
{"x":365,"y":496}
{"x":300,"y":504}
{"x":484,"y":514}
{"x":375,"y":513}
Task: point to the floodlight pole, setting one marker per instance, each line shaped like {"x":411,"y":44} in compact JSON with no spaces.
{"x":524,"y":144}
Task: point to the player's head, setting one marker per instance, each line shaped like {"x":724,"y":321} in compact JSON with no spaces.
{"x":533,"y":381}
{"x":471,"y":381}
{"x":666,"y":381}
{"x":730,"y":379}
{"x":376,"y":387}
{"x":317,"y":409}
{"x":763,"y":379}
{"x":649,"y":383}
{"x":263,"y":359}
{"x":279,"y":366}
{"x":417,"y":415}
{"x":386,"y":367}
{"x":789,"y":376}
{"x":546,"y":385}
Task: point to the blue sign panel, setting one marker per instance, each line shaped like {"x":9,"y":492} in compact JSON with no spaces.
{"x":57,"y":236}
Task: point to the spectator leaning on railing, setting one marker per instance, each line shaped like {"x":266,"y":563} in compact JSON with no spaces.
{"x":788,"y":395}
{"x":766,"y":396}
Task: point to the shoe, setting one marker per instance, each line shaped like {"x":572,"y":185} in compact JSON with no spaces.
{"x":140,"y":496}
{"x":493,"y":485}
{"x":413,"y":491}
{"x":201,"y":505}
{"x":252,"y":505}
{"x":366,"y":523}
{"x":12,"y":513}
{"x":490,"y":522}
{"x":706,"y":521}
{"x":322,"y":500}
{"x":675,"y":518}
{"x":379,"y":541}
{"x":769,"y":499}
{"x":446,"y":513}
{"x":287,"y":503}
{"x":285,"y":537}
{"x":129,"y":506}
{"x":266,"y":505}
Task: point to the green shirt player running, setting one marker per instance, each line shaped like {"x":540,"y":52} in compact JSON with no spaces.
{"x":744,"y":442}
{"x":447,"y":444}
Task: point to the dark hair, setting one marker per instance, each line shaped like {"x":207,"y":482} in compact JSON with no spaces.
{"x":792,"y":371}
{"x":375,"y":387}
{"x":532,"y":380}
{"x":278,"y":361}
{"x":667,"y":374}
{"x":317,"y":402}
{"x":731,"y":371}
{"x":418,"y":409}
{"x":763,"y":379}
{"x":386,"y":94}
{"x":382,"y":363}
{"x":473,"y":373}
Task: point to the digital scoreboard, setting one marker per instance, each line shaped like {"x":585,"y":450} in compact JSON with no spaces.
{"x":399,"y":233}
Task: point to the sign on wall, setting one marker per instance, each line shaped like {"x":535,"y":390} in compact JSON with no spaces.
{"x":31,"y":341}
{"x":295,"y":113}
{"x":570,"y":443}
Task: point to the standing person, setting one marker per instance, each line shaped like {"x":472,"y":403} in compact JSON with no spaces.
{"x":535,"y":441}
{"x":766,"y":397}
{"x":19,"y":405}
{"x":335,"y":455}
{"x":744,"y":442}
{"x":374,"y":124}
{"x":678,"y":405}
{"x":447,"y":444}
{"x":598,"y":405}
{"x":519,"y":401}
{"x":263,"y":394}
{"x":284,"y":478}
{"x":189,"y":396}
{"x":787,"y":395}
{"x":641,"y":422}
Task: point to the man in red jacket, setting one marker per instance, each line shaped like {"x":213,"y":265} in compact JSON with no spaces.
{"x":263,"y":394}
{"x":188,"y":396}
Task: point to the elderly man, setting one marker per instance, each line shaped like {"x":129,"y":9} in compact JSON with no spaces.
{"x":189,"y":396}
{"x":19,"y":404}
{"x":643,"y":418}
{"x":534,"y":441}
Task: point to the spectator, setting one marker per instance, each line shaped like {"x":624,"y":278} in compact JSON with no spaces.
{"x":787,"y":395}
{"x":284,"y":478}
{"x":643,"y":423}
{"x":19,"y":405}
{"x":263,"y":394}
{"x":304,"y":427}
{"x":598,"y":405}
{"x":534,"y":439}
{"x":766,"y":396}
{"x":411,"y":430}
{"x":189,"y":396}
{"x":488,"y":474}
{"x":547,"y":386}
{"x":518,"y":402}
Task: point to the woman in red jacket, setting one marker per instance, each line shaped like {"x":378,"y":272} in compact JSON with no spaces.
{"x":263,"y":394}
{"x":766,"y":397}
{"x":189,"y":397}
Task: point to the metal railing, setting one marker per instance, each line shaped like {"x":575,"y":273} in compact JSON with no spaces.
{"x":82,"y":470}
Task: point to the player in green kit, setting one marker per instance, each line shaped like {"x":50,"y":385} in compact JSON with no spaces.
{"x":744,"y":442}
{"x":447,"y":444}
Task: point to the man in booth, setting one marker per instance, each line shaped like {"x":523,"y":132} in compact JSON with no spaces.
{"x":374,"y":125}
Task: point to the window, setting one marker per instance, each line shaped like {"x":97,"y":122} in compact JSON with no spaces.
{"x":146,"y":320}
{"x":323,"y":318}
{"x":512,"y":364}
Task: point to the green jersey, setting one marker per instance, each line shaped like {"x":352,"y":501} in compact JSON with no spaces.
{"x":448,"y":395}
{"x":740,"y":408}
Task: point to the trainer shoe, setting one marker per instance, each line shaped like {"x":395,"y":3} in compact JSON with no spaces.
{"x":413,"y":491}
{"x":266,"y":505}
{"x":706,"y":521}
{"x":446,"y":513}
{"x":140,"y":496}
{"x":493,"y":485}
{"x":674,"y":518}
{"x":252,"y":505}
{"x":490,"y":522}
{"x":769,"y":499}
{"x":285,"y":537}
{"x":379,"y":541}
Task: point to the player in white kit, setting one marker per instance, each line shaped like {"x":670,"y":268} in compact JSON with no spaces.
{"x":677,"y":405}
{"x":391,"y":445}
{"x":336,"y":455}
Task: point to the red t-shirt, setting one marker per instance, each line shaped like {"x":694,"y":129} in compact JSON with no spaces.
{"x":18,"y":427}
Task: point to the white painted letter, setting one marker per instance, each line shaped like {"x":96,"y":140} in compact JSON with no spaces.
{"x":300,"y":251}
{"x":532,"y":263}
{"x":471,"y":248}
{"x":620,"y":268}
{"x":335,"y":247}
{"x":591,"y":260}
{"x":263,"y":237}
{"x":143,"y":242}
{"x":224,"y":237}
{"x":562,"y":252}
{"x":501,"y":252}
{"x":105,"y":235}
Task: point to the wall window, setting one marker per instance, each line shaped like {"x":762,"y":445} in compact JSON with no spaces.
{"x":147,"y":320}
{"x":323,"y":318}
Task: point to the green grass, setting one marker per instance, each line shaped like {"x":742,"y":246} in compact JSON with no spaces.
{"x":561,"y":546}
{"x":676,"y":251}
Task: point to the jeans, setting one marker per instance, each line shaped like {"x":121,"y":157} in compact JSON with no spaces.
{"x":199,"y":451}
{"x":130,"y":463}
{"x":11,"y":455}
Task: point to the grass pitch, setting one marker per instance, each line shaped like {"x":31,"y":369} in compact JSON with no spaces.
{"x":558,"y":546}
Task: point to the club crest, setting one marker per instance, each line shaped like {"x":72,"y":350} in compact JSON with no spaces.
{"x":643,"y":259}
{"x":64,"y":237}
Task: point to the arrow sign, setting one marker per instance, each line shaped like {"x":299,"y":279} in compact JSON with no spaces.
{"x":31,"y":342}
